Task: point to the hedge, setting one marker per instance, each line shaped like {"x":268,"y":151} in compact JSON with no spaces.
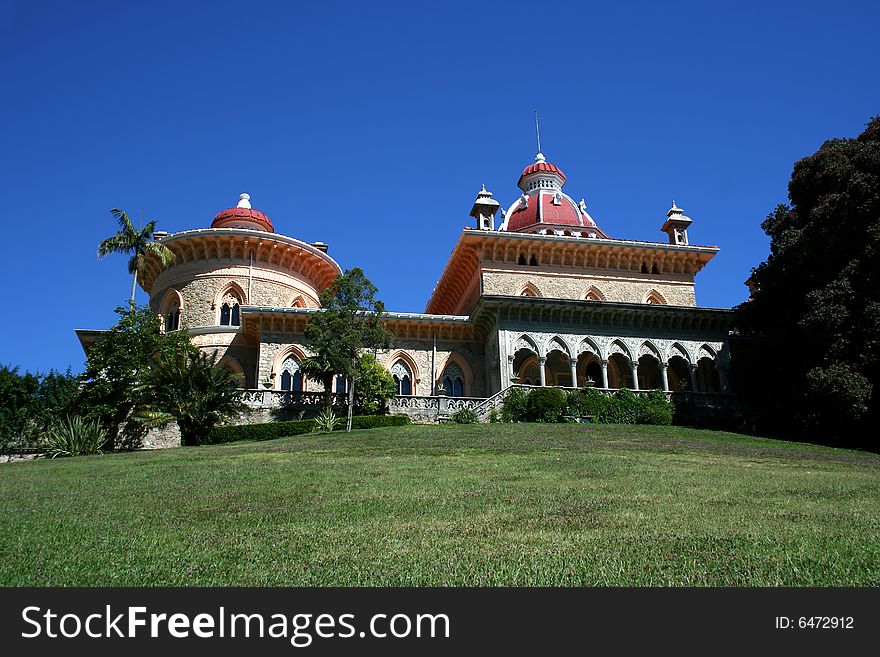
{"x":271,"y":430}
{"x":623,"y":407}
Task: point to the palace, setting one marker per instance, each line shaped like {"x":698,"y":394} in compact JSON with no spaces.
{"x":545,"y":298}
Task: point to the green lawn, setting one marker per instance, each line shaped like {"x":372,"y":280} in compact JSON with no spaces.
{"x":556,"y":505}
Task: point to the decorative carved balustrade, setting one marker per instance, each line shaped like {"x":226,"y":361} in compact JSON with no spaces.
{"x":290,"y":399}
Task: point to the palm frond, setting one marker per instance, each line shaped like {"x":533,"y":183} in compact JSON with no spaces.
{"x":161,"y":251}
{"x":148,"y":230}
{"x":118,"y":243}
{"x":134,"y":263}
{"x":125,"y":224}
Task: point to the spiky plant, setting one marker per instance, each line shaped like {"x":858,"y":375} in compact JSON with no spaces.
{"x":137,"y":242}
{"x":75,"y":436}
{"x":327,"y":421}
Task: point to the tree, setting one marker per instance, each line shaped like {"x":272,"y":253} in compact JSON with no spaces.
{"x":186,"y":384}
{"x":375,"y":386}
{"x":16,"y":397}
{"x":138,"y":243}
{"x":118,"y":362}
{"x":811,"y":347}
{"x":350,"y":321}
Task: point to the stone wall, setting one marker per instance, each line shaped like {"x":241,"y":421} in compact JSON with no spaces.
{"x":417,"y":353}
{"x":677,"y":290}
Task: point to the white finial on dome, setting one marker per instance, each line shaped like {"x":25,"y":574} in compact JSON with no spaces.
{"x":483,"y":187}
{"x":540,"y":157}
{"x":244,"y":201}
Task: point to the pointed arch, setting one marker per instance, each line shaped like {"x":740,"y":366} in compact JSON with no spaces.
{"x":655,"y":298}
{"x":593,"y":293}
{"x":298,"y":302}
{"x":171,"y":309}
{"x":705,"y":351}
{"x":235,"y":366}
{"x":530,"y":290}
{"x":401,"y":356}
{"x":557,"y":344}
{"x":227,"y":303}
{"x":648,"y":348}
{"x":455,"y":359}
{"x":676,"y":349}
{"x":287,"y":362}
{"x":588,"y":345}
{"x":619,"y":347}
{"x":525,"y":341}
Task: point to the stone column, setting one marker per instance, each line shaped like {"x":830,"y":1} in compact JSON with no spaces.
{"x":574,"y":373}
{"x":693,"y":369}
{"x":506,"y":384}
{"x":542,"y":360}
{"x":634,"y":367}
{"x":722,"y":379}
{"x":663,"y":378}
{"x":604,"y":373}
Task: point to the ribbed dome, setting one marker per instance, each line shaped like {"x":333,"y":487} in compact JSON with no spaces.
{"x":243,"y":216}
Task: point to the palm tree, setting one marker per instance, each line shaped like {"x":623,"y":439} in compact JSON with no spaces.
{"x":139,"y":243}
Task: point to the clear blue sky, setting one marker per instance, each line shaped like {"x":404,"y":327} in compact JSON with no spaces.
{"x":371,"y":126}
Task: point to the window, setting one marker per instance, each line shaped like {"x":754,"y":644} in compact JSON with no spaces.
{"x":402,"y":377}
{"x":229,"y":309}
{"x":341,"y":384}
{"x":172,"y":320}
{"x":291,"y":377}
{"x":453,"y":381}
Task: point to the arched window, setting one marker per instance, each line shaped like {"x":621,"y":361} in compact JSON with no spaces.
{"x":229,"y":309}
{"x":594,"y":294}
{"x":170,"y":311}
{"x":655,"y":298}
{"x":530,"y":291}
{"x":298,"y":303}
{"x":522,"y":259}
{"x":402,"y":377}
{"x":291,"y":376}
{"x":341,"y":384}
{"x":453,"y":381}
{"x":533,"y":261}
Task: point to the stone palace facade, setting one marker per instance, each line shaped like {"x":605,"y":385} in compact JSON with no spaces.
{"x":539,"y":295}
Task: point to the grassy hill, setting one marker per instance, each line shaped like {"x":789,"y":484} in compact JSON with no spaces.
{"x":450,"y":505}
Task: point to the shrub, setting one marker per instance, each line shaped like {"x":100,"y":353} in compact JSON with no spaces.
{"x":623,"y":407}
{"x":655,"y":408}
{"x":545,"y":405}
{"x":493,"y":416}
{"x":588,"y":402}
{"x":75,"y":437}
{"x":464,"y":416}
{"x":513,"y":408}
{"x":327,"y":421}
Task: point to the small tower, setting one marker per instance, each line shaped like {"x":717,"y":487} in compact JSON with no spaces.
{"x":676,"y":225}
{"x":484,"y":210}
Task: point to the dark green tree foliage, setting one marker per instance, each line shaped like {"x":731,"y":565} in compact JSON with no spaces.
{"x":375,"y":386}
{"x":349,"y":322}
{"x":119,"y":361}
{"x":17,"y":393}
{"x":186,"y":384}
{"x":546,"y":405}
{"x":808,"y":358}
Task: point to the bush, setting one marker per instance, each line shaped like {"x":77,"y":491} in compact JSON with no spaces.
{"x":623,"y":407}
{"x":655,"y":408}
{"x":75,"y":437}
{"x":546,"y":405}
{"x":513,"y":408}
{"x":493,"y":416}
{"x":464,"y":416}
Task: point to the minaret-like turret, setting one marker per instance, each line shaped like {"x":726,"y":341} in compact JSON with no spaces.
{"x":676,"y":225}
{"x":484,"y":210}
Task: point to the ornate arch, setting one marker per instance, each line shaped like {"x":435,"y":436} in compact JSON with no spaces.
{"x":588,"y":345}
{"x":455,"y":358}
{"x":650,"y":349}
{"x":557,"y":344}
{"x":655,"y":298}
{"x":530,"y":290}
{"x":290,"y":351}
{"x":676,"y":349}
{"x":593,"y":293}
{"x":400,"y":354}
{"x":298,"y":301}
{"x":705,"y":351}
{"x":231,"y":295}
{"x":525,"y":342}
{"x":618,"y":346}
{"x":231,"y":287}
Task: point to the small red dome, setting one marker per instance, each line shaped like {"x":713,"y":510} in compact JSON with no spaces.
{"x":242,"y":218}
{"x":542,"y":167}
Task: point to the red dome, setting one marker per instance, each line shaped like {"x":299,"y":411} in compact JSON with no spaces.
{"x":542,"y":167}
{"x":240,"y":218}
{"x":542,"y":210}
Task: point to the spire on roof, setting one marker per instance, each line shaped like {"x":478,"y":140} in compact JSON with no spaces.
{"x":244,"y":201}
